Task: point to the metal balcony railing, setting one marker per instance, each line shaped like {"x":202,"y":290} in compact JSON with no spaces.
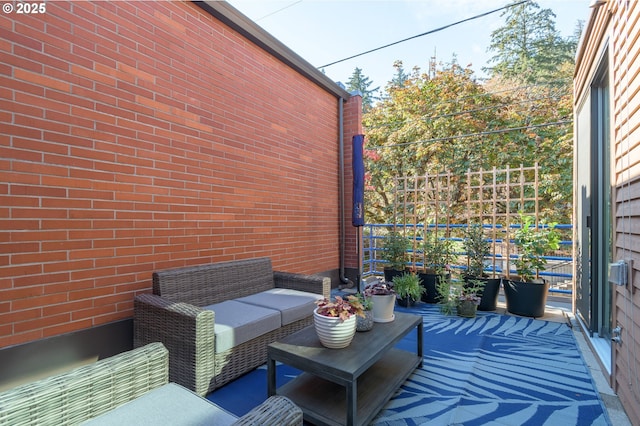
{"x":559,"y":269}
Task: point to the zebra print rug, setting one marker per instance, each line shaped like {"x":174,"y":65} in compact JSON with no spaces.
{"x":490,"y":370}
{"x":496,"y":370}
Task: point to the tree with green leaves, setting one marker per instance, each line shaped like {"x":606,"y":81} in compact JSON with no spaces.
{"x":540,"y":117}
{"x":447,"y":121}
{"x":528,"y":47}
{"x":423,"y":127}
{"x":358,"y":81}
{"x":400,"y":77}
{"x":533,"y":66}
{"x":452,"y":123}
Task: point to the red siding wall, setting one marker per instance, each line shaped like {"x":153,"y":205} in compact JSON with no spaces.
{"x":139,"y":136}
{"x":612,"y":33}
{"x":625,"y":151}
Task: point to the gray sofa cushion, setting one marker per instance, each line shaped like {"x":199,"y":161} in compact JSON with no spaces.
{"x":293,"y":305}
{"x":170,"y":404}
{"x":237,"y":322}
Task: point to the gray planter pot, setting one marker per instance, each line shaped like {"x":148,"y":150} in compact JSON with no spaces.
{"x":466,"y":309}
{"x":366,"y":323}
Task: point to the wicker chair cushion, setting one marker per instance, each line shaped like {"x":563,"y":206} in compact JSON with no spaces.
{"x":293,"y":305}
{"x":170,"y":404}
{"x":237,"y":323}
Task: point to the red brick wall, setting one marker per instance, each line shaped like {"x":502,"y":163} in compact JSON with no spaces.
{"x":139,"y":136}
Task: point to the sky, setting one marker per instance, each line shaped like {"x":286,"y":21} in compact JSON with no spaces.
{"x":325,"y":31}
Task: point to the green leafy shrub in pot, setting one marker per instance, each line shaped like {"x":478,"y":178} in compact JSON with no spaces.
{"x":437,"y":253}
{"x":407,"y":286}
{"x":454,"y":295}
{"x":394,"y":250}
{"x":477,"y":249}
{"x":533,"y":243}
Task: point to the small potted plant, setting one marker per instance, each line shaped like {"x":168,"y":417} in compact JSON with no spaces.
{"x":340,"y":307}
{"x":437,"y":255}
{"x":455,"y":297}
{"x":468,"y":299}
{"x":394,"y":251}
{"x":467,"y":305}
{"x":335,"y":321}
{"x":408,"y":289}
{"x":526,"y":294}
{"x":477,"y":249}
{"x":383,"y":297}
{"x":365,"y":323}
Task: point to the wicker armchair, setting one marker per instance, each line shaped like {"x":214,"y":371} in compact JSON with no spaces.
{"x":173,"y":315}
{"x":96,"y":389}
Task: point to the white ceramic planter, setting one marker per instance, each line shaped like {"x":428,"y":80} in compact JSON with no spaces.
{"x":383,"y":306}
{"x":332,"y":332}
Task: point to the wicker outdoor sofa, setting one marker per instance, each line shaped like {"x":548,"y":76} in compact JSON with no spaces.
{"x":217,"y":319}
{"x":130,"y":388}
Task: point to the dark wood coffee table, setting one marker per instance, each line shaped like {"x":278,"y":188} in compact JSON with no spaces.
{"x":346,"y":386}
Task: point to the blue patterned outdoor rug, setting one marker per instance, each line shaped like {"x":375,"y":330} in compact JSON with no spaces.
{"x":491,"y":370}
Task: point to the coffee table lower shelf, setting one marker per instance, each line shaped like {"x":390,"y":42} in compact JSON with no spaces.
{"x":324,"y":402}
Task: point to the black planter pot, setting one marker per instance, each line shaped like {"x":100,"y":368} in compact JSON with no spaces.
{"x":526,"y":298}
{"x":406,"y":302}
{"x":489,"y":294}
{"x":429,"y":282}
{"x":389,"y":273}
